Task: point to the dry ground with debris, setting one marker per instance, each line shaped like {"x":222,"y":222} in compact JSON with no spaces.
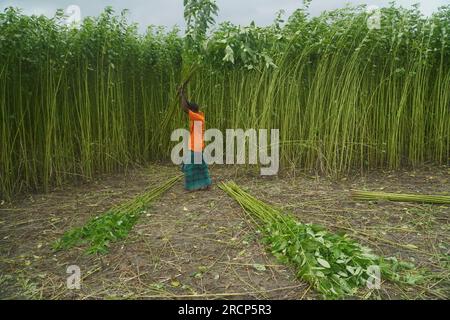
{"x":201,"y":246}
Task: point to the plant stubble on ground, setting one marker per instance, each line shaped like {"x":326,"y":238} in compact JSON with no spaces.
{"x":200,"y":245}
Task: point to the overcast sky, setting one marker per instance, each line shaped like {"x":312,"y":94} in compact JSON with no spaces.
{"x":170,"y":12}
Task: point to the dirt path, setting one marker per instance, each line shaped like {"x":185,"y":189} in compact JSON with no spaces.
{"x":199,"y":245}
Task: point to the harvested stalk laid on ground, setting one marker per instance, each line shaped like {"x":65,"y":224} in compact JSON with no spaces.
{"x":114,"y":225}
{"x":368,"y":196}
{"x":333,"y":264}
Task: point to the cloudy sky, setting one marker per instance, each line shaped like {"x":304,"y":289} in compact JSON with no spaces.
{"x":170,"y":12}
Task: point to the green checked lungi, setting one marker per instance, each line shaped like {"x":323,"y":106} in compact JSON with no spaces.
{"x":196,"y":176}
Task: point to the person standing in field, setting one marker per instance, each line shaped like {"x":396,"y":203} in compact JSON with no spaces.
{"x":195,"y":171}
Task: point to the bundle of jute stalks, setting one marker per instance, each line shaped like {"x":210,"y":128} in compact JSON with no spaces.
{"x":370,"y":196}
{"x":333,"y":263}
{"x":114,"y":225}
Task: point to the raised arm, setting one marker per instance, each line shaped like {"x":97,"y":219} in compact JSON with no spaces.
{"x":183,"y":100}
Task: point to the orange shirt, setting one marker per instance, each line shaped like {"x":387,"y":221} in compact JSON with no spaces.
{"x":196,"y":120}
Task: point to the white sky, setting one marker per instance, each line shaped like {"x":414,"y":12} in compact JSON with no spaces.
{"x":170,"y":12}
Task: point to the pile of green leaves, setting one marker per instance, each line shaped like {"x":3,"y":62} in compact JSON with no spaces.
{"x":114,"y":225}
{"x":333,"y":264}
{"x":250,"y":47}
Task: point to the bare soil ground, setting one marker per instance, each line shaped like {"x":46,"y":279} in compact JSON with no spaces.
{"x":201,"y":246}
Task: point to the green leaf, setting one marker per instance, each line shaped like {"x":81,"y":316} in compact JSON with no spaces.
{"x":324,"y":263}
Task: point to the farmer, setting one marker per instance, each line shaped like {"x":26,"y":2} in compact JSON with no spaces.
{"x":196,"y":171}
